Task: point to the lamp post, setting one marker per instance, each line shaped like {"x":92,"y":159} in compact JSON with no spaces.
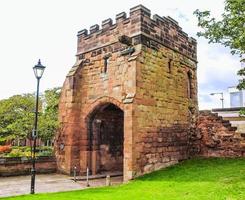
{"x":222,"y":97}
{"x":38,"y":71}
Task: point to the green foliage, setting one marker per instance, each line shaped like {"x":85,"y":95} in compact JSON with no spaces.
{"x":17,"y":115}
{"x":229,"y":31}
{"x":18,"y":153}
{"x":241,"y":84}
{"x":45,"y":153}
{"x":48,"y":121}
{"x":24,"y":148}
{"x":242,"y":112}
{"x":26,"y":152}
{"x":197,"y":179}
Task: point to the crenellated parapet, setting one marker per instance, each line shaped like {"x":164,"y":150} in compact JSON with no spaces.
{"x":129,"y":103}
{"x":142,"y":29}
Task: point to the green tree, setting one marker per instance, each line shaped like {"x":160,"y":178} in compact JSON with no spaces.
{"x":230,"y":30}
{"x":48,"y":122}
{"x":16,"y":117}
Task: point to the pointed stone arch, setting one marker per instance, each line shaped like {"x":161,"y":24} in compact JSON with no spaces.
{"x":89,"y":155}
{"x":100,"y":101}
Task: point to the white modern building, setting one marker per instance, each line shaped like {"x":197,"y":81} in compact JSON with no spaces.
{"x":237,"y":97}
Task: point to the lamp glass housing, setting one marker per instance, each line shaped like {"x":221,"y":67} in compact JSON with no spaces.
{"x":38,"y":70}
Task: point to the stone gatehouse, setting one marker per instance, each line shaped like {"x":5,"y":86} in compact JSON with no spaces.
{"x":129,"y":103}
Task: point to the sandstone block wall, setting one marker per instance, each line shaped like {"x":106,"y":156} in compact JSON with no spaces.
{"x":215,"y":137}
{"x":147,"y":68}
{"x":84,"y":92}
{"x":22,"y":166}
{"x":163,"y":108}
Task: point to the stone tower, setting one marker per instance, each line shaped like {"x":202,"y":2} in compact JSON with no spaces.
{"x":129,"y":102}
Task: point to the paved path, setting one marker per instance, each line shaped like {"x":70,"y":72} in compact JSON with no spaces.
{"x":19,"y":185}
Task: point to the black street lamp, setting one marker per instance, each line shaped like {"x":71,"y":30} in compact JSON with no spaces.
{"x":38,"y":71}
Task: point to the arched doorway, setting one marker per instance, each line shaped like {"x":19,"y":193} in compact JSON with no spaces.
{"x":106,"y":138}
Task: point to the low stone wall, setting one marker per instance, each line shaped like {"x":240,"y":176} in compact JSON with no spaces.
{"x":22,"y":166}
{"x":217,"y":138}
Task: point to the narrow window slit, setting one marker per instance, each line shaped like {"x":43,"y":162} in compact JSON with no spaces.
{"x":189,"y":88}
{"x":106,"y":62}
{"x":169,"y":65}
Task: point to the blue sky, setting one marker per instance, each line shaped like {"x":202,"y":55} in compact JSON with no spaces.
{"x":33,"y":29}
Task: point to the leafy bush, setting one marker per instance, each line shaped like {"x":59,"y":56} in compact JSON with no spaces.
{"x":24,"y":148}
{"x":26,"y":151}
{"x":5,"y":149}
{"x":15,"y":153}
{"x":45,"y":153}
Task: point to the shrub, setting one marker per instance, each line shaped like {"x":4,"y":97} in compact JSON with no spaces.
{"x":5,"y":149}
{"x":45,"y":153}
{"x":24,"y":148}
{"x":15,"y":153}
{"x":26,"y":151}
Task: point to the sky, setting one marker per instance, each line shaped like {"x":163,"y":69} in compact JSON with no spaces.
{"x":46,"y":30}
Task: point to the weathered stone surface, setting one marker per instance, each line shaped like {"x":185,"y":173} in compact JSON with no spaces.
{"x":154,"y":86}
{"x":22,"y":166}
{"x":217,"y":138}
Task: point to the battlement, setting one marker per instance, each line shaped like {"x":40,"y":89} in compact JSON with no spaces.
{"x":160,"y":30}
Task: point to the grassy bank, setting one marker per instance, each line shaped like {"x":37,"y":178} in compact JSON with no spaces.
{"x":207,"y":179}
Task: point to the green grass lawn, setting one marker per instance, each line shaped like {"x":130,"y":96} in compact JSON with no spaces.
{"x":207,"y":179}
